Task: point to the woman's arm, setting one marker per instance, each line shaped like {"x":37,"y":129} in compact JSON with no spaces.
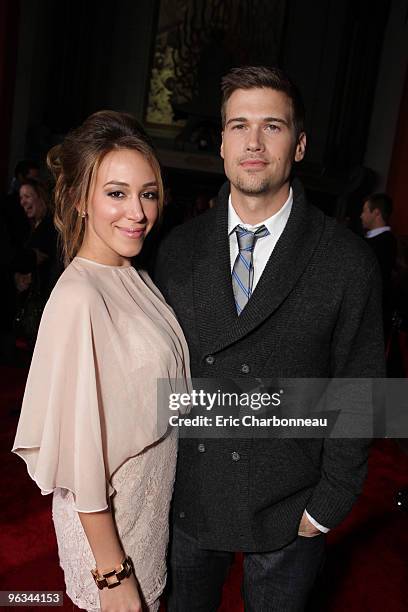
{"x":101,"y":533}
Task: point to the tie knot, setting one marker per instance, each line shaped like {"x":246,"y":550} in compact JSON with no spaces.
{"x":246,"y":238}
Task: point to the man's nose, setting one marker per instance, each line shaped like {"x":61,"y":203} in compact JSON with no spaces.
{"x":255,"y":140}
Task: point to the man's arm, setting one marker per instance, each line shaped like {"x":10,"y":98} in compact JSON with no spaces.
{"x":357,"y":352}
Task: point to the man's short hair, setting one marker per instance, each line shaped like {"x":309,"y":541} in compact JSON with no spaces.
{"x":251,"y":77}
{"x":383,"y":202}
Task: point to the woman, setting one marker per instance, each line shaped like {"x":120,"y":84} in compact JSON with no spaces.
{"x":89,"y":429}
{"x":35,"y":267}
{"x":43,"y":237}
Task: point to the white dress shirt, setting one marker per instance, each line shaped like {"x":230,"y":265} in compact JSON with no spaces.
{"x":264,"y":246}
{"x":377,"y":231}
{"x":262,"y":251}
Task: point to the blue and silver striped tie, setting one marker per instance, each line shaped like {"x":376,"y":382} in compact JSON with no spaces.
{"x":243,"y":270}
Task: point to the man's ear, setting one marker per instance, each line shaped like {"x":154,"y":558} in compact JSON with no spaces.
{"x":300,"y":147}
{"x":222,"y":145}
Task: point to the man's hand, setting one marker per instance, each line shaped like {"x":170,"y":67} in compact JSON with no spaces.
{"x":307,"y":529}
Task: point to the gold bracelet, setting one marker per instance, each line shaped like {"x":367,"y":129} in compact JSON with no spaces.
{"x":113,"y":577}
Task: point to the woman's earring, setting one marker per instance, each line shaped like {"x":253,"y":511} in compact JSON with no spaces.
{"x":82,"y":214}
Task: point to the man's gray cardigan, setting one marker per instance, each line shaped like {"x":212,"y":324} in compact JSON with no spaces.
{"x":315,"y":312}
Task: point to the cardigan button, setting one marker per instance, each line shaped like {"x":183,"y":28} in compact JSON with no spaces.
{"x":235,"y":456}
{"x":245,"y":369}
{"x":201,"y":448}
{"x":182,"y":515}
{"x":210,"y":359}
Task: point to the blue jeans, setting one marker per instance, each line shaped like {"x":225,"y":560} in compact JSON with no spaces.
{"x":278,"y":581}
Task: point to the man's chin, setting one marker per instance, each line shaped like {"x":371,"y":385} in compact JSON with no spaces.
{"x":253,"y":188}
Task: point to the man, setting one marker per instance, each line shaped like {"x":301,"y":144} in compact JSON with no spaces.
{"x":264,"y":285}
{"x":375,"y":219}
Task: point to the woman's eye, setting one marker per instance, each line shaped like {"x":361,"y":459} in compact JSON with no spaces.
{"x":116,"y":194}
{"x":150,"y":195}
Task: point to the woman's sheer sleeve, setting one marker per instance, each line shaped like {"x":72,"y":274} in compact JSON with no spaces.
{"x":61,"y":434}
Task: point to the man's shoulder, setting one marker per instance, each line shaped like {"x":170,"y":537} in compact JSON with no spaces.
{"x":386,"y":238}
{"x":350,"y":249}
{"x":193,"y":229}
{"x":342,"y":244}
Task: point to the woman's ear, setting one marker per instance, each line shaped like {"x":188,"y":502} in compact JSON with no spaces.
{"x":81,"y":210}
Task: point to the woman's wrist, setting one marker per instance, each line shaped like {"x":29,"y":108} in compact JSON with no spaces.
{"x":107,"y":563}
{"x":102,"y":536}
{"x":113,"y":576}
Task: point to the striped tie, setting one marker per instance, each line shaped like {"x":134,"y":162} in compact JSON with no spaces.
{"x":243,"y":270}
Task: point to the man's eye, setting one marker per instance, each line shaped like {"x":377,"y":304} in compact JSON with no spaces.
{"x":238,"y":126}
{"x":116,"y":194}
{"x":272,"y":127}
{"x":150,"y":195}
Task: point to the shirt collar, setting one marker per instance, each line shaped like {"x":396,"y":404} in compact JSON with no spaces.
{"x":377,"y":231}
{"x":276,"y":220}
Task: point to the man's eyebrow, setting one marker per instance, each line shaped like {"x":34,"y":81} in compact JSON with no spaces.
{"x":276,"y":120}
{"x":264,"y":119}
{"x":238,"y":119}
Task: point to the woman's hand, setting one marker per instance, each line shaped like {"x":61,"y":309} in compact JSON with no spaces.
{"x":123,"y":598}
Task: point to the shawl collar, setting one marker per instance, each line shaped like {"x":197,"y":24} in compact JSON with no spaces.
{"x":217,"y":320}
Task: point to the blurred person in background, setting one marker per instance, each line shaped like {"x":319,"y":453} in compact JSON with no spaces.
{"x":36,"y":266}
{"x":375,"y":218}
{"x":13,"y":215}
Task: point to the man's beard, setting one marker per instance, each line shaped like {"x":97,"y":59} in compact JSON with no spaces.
{"x":253,"y":185}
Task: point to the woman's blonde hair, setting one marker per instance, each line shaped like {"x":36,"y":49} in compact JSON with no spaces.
{"x":75,"y":162}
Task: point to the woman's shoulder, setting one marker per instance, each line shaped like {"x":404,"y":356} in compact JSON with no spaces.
{"x":76,"y":287}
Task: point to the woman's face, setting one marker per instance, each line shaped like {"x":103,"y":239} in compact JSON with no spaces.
{"x":33,"y":205}
{"x":122,"y":208}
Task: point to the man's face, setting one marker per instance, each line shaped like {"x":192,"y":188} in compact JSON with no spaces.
{"x":258,"y":141}
{"x":368,"y":217}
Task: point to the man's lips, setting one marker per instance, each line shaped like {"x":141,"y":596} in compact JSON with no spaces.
{"x":132,"y":233}
{"x":253,"y":163}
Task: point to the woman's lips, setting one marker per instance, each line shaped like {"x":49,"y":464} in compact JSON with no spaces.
{"x":132,"y":233}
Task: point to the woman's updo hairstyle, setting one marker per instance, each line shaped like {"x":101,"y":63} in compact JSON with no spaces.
{"x":75,"y":162}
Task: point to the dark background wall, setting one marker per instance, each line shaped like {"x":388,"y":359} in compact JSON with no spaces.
{"x":9,"y":20}
{"x":76,"y":57}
